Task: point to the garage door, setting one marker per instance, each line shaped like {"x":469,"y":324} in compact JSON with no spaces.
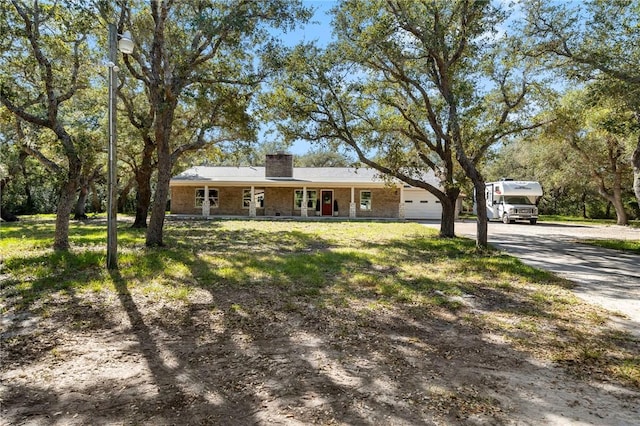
{"x":421,"y":204}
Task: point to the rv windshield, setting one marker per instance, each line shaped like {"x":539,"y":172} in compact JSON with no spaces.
{"x":517,"y":200}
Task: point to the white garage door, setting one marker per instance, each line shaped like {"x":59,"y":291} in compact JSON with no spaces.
{"x":421,"y":204}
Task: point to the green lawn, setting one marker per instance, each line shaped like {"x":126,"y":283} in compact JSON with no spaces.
{"x":363,"y":266}
{"x":576,"y":219}
{"x":623,"y":245}
{"x":611,"y":243}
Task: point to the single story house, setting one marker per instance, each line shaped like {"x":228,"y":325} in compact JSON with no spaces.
{"x":279,"y":189}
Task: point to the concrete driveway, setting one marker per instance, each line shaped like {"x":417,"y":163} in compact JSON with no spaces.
{"x":608,"y":278}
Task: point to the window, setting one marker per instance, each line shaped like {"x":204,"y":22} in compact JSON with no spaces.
{"x":511,"y":199}
{"x":365,"y":200}
{"x":312,"y":199}
{"x":213,"y":197}
{"x":258,"y":198}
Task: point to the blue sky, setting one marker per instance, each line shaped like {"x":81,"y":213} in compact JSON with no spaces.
{"x":319,"y":28}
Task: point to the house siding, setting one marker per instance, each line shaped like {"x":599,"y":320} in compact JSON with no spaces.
{"x":279,"y":201}
{"x":385,"y":202}
{"x":183,"y":200}
{"x":229,"y":197}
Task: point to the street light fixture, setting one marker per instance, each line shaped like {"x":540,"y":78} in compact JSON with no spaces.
{"x":125,"y":45}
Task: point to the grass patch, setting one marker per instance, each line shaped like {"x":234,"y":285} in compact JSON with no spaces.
{"x":632,"y":246}
{"x":577,"y":219}
{"x":341,"y":268}
{"x":570,"y":219}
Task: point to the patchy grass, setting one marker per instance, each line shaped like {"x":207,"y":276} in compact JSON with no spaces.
{"x":340,"y":268}
{"x":622,"y":245}
{"x":577,"y":219}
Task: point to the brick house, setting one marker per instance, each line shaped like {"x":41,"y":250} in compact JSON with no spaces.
{"x":279,"y":189}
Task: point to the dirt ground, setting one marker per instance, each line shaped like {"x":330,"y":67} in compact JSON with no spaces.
{"x":240,"y":357}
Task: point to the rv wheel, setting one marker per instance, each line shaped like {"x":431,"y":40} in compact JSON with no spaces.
{"x":505,"y":218}
{"x":533,"y":221}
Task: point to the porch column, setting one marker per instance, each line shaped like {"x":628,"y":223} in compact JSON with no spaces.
{"x":352,"y":204}
{"x":206,"y":204}
{"x":252,"y":203}
{"x":401,"y":206}
{"x":303,"y":207}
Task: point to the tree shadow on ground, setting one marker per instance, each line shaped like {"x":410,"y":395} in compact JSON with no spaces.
{"x":300,"y":332}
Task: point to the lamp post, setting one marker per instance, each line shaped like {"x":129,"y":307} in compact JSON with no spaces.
{"x":125,"y":46}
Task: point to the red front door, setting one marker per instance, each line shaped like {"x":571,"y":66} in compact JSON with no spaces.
{"x":327,"y":203}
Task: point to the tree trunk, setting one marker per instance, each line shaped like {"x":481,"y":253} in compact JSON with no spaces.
{"x":124,"y":195}
{"x":481,"y":212}
{"x":635,"y":162}
{"x":143,"y":201}
{"x":95,"y":201}
{"x":67,"y":191}
{"x":615,"y":197}
{"x":156,"y":221}
{"x":448,"y":219}
{"x":143,"y":184}
{"x":80,"y":209}
{"x":163,"y":132}
{"x":615,"y":200}
{"x":618,"y":205}
{"x":65,"y":206}
{"x":481,"y":199}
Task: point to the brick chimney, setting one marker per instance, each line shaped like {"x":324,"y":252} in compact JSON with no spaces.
{"x":279,"y":165}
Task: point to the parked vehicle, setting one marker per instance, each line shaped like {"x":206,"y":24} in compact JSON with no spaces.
{"x":510,"y":201}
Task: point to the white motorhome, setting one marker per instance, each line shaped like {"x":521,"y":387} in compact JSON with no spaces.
{"x":510,"y":200}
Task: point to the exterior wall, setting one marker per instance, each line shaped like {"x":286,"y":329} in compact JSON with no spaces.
{"x":183,"y":200}
{"x":343,"y":197}
{"x":229,"y":197}
{"x":279,"y":201}
{"x":230,"y":202}
{"x":385,"y":202}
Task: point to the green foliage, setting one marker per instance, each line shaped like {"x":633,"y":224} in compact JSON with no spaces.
{"x":26,"y":187}
{"x":594,"y":43}
{"x":46,"y":69}
{"x":591,"y":130}
{"x":594,"y":40}
{"x":197,"y":64}
{"x":409,"y":87}
{"x":323,"y":158}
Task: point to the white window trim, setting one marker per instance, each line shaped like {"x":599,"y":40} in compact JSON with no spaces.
{"x":244,"y":191}
{"x":255,"y":191}
{"x":370,"y":201}
{"x":211,"y":205}
{"x":295,"y":207}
